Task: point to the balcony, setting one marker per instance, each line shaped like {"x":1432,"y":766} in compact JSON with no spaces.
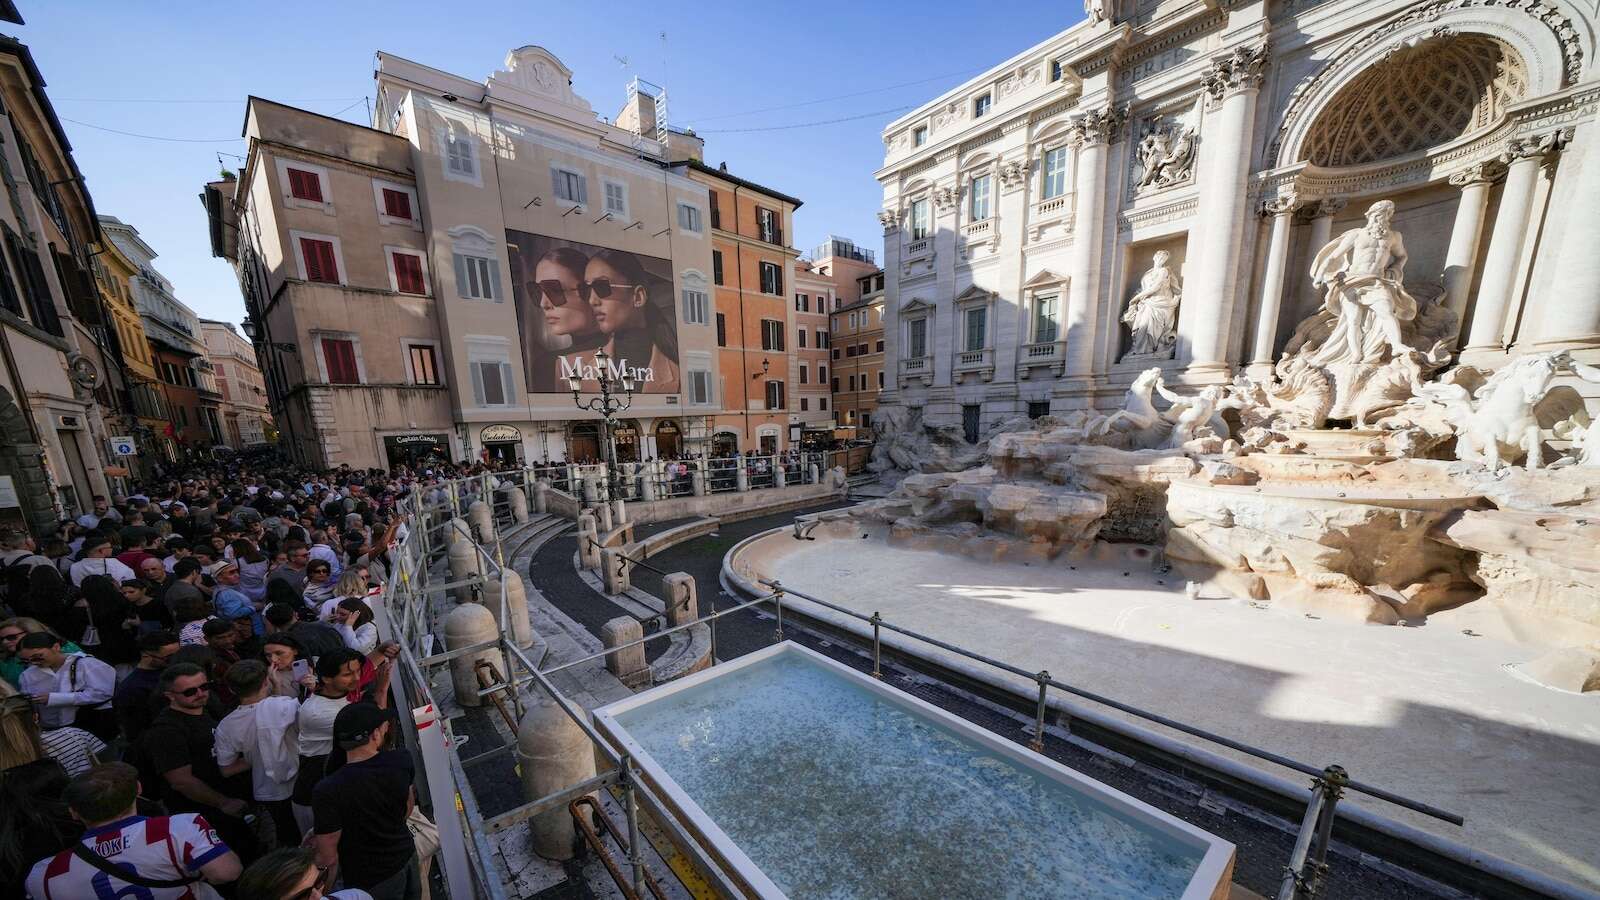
{"x":917,"y":248}
{"x":982,"y":235}
{"x":1045,"y":354}
{"x":1053,"y":211}
{"x":920,"y":367}
{"x":975,"y":362}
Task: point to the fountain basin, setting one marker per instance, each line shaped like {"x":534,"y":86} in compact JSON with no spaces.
{"x":814,"y":780}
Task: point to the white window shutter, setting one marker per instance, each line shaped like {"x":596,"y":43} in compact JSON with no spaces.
{"x":461,"y":275}
{"x":477,"y":384}
{"x":494,"y":280}
{"x":507,"y":383}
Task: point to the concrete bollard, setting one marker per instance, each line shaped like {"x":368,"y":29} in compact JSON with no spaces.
{"x":468,"y":624}
{"x":647,"y":490}
{"x":837,"y":477}
{"x":697,"y":482}
{"x":481,"y":517}
{"x":553,"y":754}
{"x":541,"y":497}
{"x":619,"y":513}
{"x":518,"y":502}
{"x":603,"y":518}
{"x":814,"y":474}
{"x":465,"y":562}
{"x":683,"y":605}
{"x":628,"y":663}
{"x":455,"y":530}
{"x":588,"y":534}
{"x":741,"y":479}
{"x":520,"y":626}
{"x":591,"y":491}
{"x":615,"y":570}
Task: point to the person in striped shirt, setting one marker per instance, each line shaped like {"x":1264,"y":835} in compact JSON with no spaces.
{"x":123,"y":854}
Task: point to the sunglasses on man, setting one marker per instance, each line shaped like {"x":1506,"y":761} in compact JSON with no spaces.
{"x":191,"y":691}
{"x":556,"y":292}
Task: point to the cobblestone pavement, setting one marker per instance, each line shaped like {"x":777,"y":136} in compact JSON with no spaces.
{"x":1264,"y":840}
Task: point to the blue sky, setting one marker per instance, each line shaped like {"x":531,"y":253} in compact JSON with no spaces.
{"x":726,"y":65}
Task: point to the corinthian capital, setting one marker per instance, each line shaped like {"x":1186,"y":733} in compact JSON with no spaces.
{"x":1281,"y":205}
{"x":1239,"y":70}
{"x":1536,"y":146}
{"x":1098,"y":126}
{"x":889,"y":219}
{"x":1485,"y":172}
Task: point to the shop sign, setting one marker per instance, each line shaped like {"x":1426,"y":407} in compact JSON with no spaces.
{"x":500,"y":434}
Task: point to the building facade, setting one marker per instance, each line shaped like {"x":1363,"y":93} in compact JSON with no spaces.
{"x":54,"y":384}
{"x":813,"y":297}
{"x":144,"y":412}
{"x":858,"y":356}
{"x":438,"y":286}
{"x":753,"y":271}
{"x":1202,"y":155}
{"x":189,"y":392}
{"x":243,"y":409}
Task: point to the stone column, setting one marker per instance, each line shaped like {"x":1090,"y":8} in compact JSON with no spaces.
{"x":1093,"y":132}
{"x":1281,"y":209}
{"x":1232,"y":82}
{"x":1498,"y":286}
{"x":1461,"y":259}
{"x":1322,"y":222}
{"x":1574,"y":317}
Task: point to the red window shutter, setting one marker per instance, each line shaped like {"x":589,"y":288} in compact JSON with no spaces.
{"x":396,"y":204}
{"x":305,"y":185}
{"x":320,"y":262}
{"x":341,"y":359}
{"x":408,"y":274}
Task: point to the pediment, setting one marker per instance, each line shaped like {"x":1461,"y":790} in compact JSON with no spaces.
{"x":915,"y":304}
{"x":536,"y":71}
{"x":1044,"y":278}
{"x":973,"y":292}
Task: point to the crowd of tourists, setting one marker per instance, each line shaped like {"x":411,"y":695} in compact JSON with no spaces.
{"x":194,"y":700}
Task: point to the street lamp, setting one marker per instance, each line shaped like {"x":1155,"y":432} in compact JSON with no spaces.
{"x":616,"y":395}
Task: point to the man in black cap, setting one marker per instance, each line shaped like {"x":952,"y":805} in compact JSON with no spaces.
{"x":361,"y":808}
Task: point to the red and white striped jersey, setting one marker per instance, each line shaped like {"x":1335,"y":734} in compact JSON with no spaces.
{"x":163,"y":848}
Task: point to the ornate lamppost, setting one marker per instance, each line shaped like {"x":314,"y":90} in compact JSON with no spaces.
{"x":616,"y":395}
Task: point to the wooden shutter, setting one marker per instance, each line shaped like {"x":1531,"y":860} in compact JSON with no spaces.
{"x":340,"y":356}
{"x":408,"y":274}
{"x":396,"y":204}
{"x":321,"y":264}
{"x":305,"y":185}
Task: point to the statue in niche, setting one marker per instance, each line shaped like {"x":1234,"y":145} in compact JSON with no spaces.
{"x":1165,"y":160}
{"x":1152,"y":313}
{"x":1362,"y":271}
{"x":1095,"y":10}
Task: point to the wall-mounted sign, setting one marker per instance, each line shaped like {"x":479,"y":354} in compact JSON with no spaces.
{"x":499,"y":434}
{"x":123,"y":446}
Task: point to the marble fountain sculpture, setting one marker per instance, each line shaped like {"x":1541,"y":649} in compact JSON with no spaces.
{"x":1359,"y":479}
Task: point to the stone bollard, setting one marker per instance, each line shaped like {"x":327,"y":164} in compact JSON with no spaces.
{"x":619,"y":513}
{"x":814,"y":474}
{"x":518,"y":502}
{"x":741,"y":479}
{"x":588,"y":534}
{"x":541,"y":497}
{"x":591,"y":491}
{"x":464,"y":563}
{"x":836,"y":477}
{"x":521,"y":626}
{"x":455,"y":530}
{"x":553,"y":754}
{"x":697,"y":481}
{"x":647,"y":490}
{"x":615,"y":570}
{"x":481,"y":516}
{"x":628,"y":663}
{"x":603,"y":519}
{"x":468,"y":624}
{"x":683,"y":605}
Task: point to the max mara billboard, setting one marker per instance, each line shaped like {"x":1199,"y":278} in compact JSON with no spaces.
{"x":575,"y":299}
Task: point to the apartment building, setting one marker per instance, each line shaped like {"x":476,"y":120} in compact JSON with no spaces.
{"x":813,"y":297}
{"x":444,"y":284}
{"x":843,"y":263}
{"x":144,"y":415}
{"x":57,"y":367}
{"x":172,"y":331}
{"x":244,"y":413}
{"x":753,"y":271}
{"x":858,"y":356}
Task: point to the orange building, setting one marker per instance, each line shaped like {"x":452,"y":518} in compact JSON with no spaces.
{"x":753,"y":268}
{"x":857,"y":351}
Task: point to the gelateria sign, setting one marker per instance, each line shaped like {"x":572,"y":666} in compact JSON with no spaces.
{"x":500,"y":434}
{"x":576,"y":369}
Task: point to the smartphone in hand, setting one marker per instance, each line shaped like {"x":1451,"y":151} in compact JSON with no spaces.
{"x":301,"y":669}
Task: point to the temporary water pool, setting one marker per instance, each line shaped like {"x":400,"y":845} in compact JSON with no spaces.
{"x":809,"y":779}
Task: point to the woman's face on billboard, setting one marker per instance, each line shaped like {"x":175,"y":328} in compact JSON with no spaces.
{"x":564,"y":311}
{"x":622,"y":307}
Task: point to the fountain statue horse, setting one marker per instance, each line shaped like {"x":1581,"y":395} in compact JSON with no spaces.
{"x":1496,"y":424}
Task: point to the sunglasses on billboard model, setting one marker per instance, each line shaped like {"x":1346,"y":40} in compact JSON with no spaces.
{"x":556,"y":292}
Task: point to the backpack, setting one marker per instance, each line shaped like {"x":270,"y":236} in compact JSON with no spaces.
{"x":14,"y":580}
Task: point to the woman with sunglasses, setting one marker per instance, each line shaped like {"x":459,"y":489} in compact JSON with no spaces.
{"x":569,"y":326}
{"x":290,"y":873}
{"x":618,"y":289}
{"x":319,"y":584}
{"x":12,"y":632}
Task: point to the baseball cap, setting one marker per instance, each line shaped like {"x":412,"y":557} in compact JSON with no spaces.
{"x":355,"y":724}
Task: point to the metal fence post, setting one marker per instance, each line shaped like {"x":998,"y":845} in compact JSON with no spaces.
{"x":1037,"y":744}
{"x":635,"y":851}
{"x":777,"y":594}
{"x":877,"y":645}
{"x":1302,"y":877}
